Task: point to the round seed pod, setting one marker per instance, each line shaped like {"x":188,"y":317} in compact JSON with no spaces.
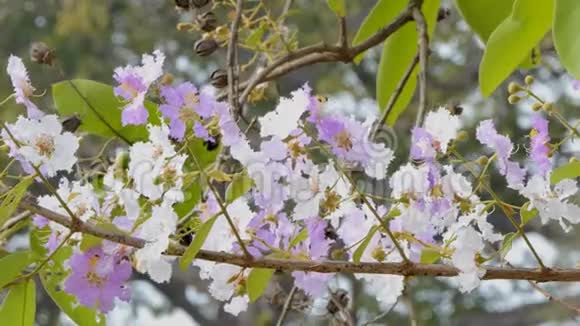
{"x":200,"y":3}
{"x":205,"y":47}
{"x":207,"y":21}
{"x":219,"y":78}
{"x":182,"y":4}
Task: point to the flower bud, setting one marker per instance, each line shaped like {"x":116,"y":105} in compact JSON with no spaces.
{"x":513,"y":99}
{"x":529,"y":80}
{"x":514,"y":88}
{"x":41,"y":53}
{"x":206,"y":47}
{"x":167,"y":79}
{"x":537,"y":106}
{"x":574,"y":159}
{"x":379,"y":254}
{"x":199,"y":3}
{"x":185,"y":27}
{"x":462,"y":135}
{"x":443,"y":13}
{"x":182,"y":4}
{"x":482,"y":160}
{"x":207,"y":21}
{"x":548,"y":106}
{"x":219,"y":78}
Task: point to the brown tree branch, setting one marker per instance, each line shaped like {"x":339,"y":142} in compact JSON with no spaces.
{"x":423,"y":43}
{"x":232,"y":59}
{"x":322,"y":266}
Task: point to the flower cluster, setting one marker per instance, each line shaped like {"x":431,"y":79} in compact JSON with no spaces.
{"x":303,"y":203}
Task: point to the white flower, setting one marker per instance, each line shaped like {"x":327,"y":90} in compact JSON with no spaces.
{"x":225,"y":280}
{"x":43,"y":144}
{"x":455,"y":184}
{"x":155,"y":168}
{"x":443,"y":127}
{"x":22,"y":86}
{"x":552,"y":204}
{"x":466,"y":245}
{"x":284,"y":119}
{"x":385,"y":288}
{"x":156,"y":231}
{"x":80,"y":199}
{"x":410,"y":180}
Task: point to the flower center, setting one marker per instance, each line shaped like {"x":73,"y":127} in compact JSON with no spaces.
{"x":157,"y":151}
{"x":343,"y":140}
{"x":27,"y":89}
{"x":191,"y":99}
{"x":44,"y":145}
{"x":186,"y":113}
{"x":129,"y":89}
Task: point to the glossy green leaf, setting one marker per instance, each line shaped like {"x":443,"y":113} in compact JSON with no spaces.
{"x":380,"y":15}
{"x":52,"y":283}
{"x":513,"y":40}
{"x":506,"y":244}
{"x":399,"y":51}
{"x":527,"y":214}
{"x":429,"y":256}
{"x":19,"y":306}
{"x":239,"y":186}
{"x":301,"y":236}
{"x":257,"y":282}
{"x":484,"y":16}
{"x":38,"y":237}
{"x":197,"y":243}
{"x":12,"y":265}
{"x":192,"y":195}
{"x":12,"y":199}
{"x":566,"y":28}
{"x":338,"y":6}
{"x":356,"y":256}
{"x":567,"y":171}
{"x":98,"y":108}
{"x":256,"y":35}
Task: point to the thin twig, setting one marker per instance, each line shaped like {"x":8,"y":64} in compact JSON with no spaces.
{"x":15,"y":220}
{"x":423,"y":43}
{"x":382,"y":315}
{"x":231,"y":61}
{"x":286,"y":307}
{"x":343,"y":35}
{"x":394,"y":97}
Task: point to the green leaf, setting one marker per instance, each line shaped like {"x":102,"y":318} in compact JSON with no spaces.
{"x":19,"y":306}
{"x":103,"y":116}
{"x":239,"y":186}
{"x":527,"y":214}
{"x":192,"y":195}
{"x":204,"y":156}
{"x":255,"y":37}
{"x":338,"y":6}
{"x":12,"y":266}
{"x":484,"y":16}
{"x":567,"y":171}
{"x":429,"y":255}
{"x":566,"y":27}
{"x":38,"y":238}
{"x":399,"y":51}
{"x":257,"y":282}
{"x":382,"y":14}
{"x":513,"y":40}
{"x":301,"y":236}
{"x":52,"y":283}
{"x":506,"y":244}
{"x":356,"y":256}
{"x":89,"y":241}
{"x":196,"y":243}
{"x":12,"y":199}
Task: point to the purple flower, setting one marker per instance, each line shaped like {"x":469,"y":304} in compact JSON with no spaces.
{"x":23,"y":89}
{"x":487,"y":135}
{"x":576,"y":84}
{"x":539,"y":151}
{"x":422,"y":145}
{"x":313,"y":283}
{"x":134,"y":81}
{"x":98,"y":278}
{"x":185,"y":104}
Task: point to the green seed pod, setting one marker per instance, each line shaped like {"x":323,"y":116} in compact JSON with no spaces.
{"x":548,"y":106}
{"x":462,"y":135}
{"x":536,"y":106}
{"x":529,"y":80}
{"x":482,"y":160}
{"x":514,"y":88}
{"x":513,"y":99}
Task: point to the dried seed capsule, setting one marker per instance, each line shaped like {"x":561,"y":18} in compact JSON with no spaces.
{"x":205,"y":47}
{"x":41,"y":53}
{"x":182,"y":4}
{"x":199,"y":3}
{"x":219,"y":78}
{"x":443,"y":13}
{"x":207,"y":21}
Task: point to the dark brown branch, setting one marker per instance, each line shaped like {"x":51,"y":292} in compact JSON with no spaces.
{"x":232,"y":59}
{"x":322,"y":266}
